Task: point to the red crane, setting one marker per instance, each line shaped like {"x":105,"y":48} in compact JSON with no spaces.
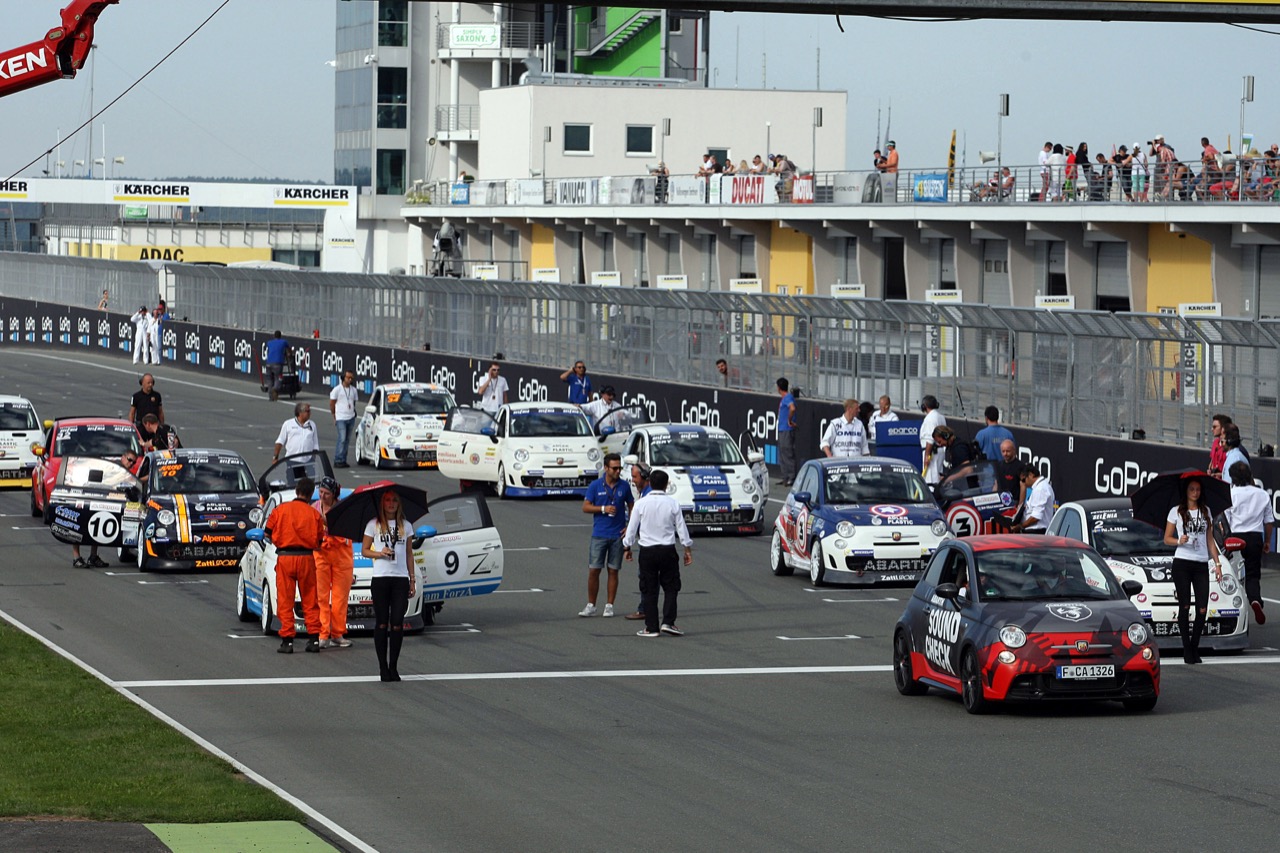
{"x":60,"y":54}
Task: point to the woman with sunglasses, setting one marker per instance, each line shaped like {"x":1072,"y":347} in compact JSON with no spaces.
{"x":386,"y":542}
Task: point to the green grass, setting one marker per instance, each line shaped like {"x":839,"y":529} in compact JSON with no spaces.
{"x":70,"y":746}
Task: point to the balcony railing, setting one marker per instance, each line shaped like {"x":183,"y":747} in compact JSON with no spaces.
{"x":482,"y":35}
{"x":458,"y":118}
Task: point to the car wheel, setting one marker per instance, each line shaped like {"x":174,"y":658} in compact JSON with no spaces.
{"x":778,"y":560}
{"x":143,"y":565}
{"x":817,"y":568}
{"x":377,"y":456}
{"x":267,"y":614}
{"x":243,"y":613}
{"x":971,"y":685}
{"x":47,"y":513}
{"x":501,"y":486}
{"x":125,"y":556}
{"x":360,"y":457}
{"x":35,"y":510}
{"x":903,"y":678}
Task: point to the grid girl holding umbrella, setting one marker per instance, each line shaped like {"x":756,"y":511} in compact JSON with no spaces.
{"x":386,"y":541}
{"x":1187,"y":527}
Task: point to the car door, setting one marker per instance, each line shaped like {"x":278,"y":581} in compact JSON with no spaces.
{"x":938,"y":633}
{"x":369,"y":423}
{"x":283,"y":476}
{"x":799,"y":521}
{"x":616,"y":426}
{"x":465,"y":556}
{"x":253,"y":564}
{"x":468,"y":448}
{"x":755,"y":459}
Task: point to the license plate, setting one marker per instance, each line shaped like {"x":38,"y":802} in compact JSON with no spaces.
{"x":1087,"y":671}
{"x":1170,"y":629}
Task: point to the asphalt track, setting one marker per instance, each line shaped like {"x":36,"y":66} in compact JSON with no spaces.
{"x":773,"y":725}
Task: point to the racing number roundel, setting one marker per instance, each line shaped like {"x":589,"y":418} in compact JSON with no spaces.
{"x":103,"y":527}
{"x":964,"y":520}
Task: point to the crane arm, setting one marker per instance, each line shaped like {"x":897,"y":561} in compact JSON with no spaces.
{"x":60,"y":54}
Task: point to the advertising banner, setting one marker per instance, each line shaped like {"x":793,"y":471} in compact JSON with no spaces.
{"x":802,"y":190}
{"x":577,"y":190}
{"x":846,"y":187}
{"x":527,"y":191}
{"x":460,"y":193}
{"x":930,"y":188}
{"x":685,"y":189}
{"x":743,"y":189}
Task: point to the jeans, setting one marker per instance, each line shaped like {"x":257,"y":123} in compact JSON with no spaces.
{"x":787,"y":454}
{"x":345,"y":428}
{"x":274,"y":372}
{"x":1191,"y":576}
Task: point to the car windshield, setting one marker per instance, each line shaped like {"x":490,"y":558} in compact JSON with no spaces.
{"x":104,"y":441}
{"x":418,"y":402}
{"x":693,"y":448}
{"x":1120,"y":536}
{"x":1043,"y":574}
{"x":202,"y":474}
{"x":856,"y":484}
{"x":529,"y":424}
{"x":17,"y":416}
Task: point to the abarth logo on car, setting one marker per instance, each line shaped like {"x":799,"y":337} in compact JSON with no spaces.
{"x":897,"y":536}
{"x":1070,"y":612}
{"x":1082,"y":645}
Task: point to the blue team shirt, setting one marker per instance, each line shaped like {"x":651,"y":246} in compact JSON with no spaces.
{"x":600,"y":494}
{"x":579,"y":389}
{"x":275,"y":350}
{"x":990,"y":438}
{"x":784,"y":411}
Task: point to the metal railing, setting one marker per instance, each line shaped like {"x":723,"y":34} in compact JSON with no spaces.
{"x":1088,"y":372}
{"x":457,"y":117}
{"x":515,"y":35}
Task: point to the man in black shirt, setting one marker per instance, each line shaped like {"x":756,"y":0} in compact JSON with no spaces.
{"x":146,"y":402}
{"x":158,"y":436}
{"x":1007,"y":469}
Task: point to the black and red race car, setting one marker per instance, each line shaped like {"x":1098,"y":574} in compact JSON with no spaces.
{"x":1024,"y":618}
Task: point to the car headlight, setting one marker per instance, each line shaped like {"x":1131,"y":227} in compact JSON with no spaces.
{"x":749,"y":485}
{"x":1013,"y":636}
{"x":255,"y":515}
{"x":593,"y":455}
{"x":846,"y":529}
{"x":164,"y":516}
{"x":1138,"y":633}
{"x":939,"y":527}
{"x":521,"y":455}
{"x":394,"y":430}
{"x":1228,"y":585}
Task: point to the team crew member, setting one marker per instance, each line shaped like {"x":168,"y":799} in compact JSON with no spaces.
{"x":1008,"y":470}
{"x":579,"y":383}
{"x":991,"y":435}
{"x":158,"y":436}
{"x":608,"y":499}
{"x":335,"y":567}
{"x":493,"y":390}
{"x":1188,"y":528}
{"x":146,"y":401}
{"x":296,"y":529}
{"x":884,"y":414}
{"x":155,"y":324}
{"x":845,"y":436}
{"x":386,"y":542}
{"x":1039,"y":501}
{"x":786,"y":432}
{"x":640,"y":488}
{"x":342,"y":405}
{"x":298,"y":434}
{"x":1253,"y":520}
{"x":128,"y":460}
{"x":141,"y":339}
{"x":933,"y":463}
{"x":656,"y":523}
{"x":277,"y":352}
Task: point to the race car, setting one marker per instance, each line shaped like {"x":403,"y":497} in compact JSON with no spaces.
{"x":720,"y":489}
{"x":19,"y":429}
{"x":529,"y":450}
{"x":401,"y":424}
{"x":1024,"y":619}
{"x":970,"y":499}
{"x":857,"y":521}
{"x":458,"y":554}
{"x":1135,"y":550}
{"x":99,"y":438}
{"x":95,"y":502}
{"x":198,"y":507}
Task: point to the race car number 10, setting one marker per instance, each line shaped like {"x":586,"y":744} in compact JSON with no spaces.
{"x":103,"y":527}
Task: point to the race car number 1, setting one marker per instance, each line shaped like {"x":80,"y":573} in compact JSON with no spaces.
{"x":104,"y":527}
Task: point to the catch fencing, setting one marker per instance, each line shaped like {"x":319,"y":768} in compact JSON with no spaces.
{"x":1084,"y":372}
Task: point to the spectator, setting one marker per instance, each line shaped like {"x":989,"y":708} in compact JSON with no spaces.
{"x":1209,"y":170}
{"x":662,"y":181}
{"x":729,"y":168}
{"x":1140,"y":172}
{"x":786,"y":172}
{"x":730,"y":377}
{"x":1165,"y":156}
{"x":889,"y":172}
{"x":1084,"y":185}
{"x":1102,"y":183}
{"x":757,"y":166}
{"x":1046,"y":170}
{"x":1057,"y":165}
{"x":102,"y":303}
{"x":1217,"y":449}
{"x":1124,"y":171}
{"x":786,"y":433}
{"x":1069,"y":174}
{"x":991,"y":436}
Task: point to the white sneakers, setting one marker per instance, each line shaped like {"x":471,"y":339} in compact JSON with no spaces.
{"x":589,"y":610}
{"x":608,"y":610}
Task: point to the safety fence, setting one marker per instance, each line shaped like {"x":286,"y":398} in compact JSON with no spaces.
{"x":1082,"y":372}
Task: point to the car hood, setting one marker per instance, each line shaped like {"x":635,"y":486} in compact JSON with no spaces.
{"x":1065,"y":616}
{"x":706,"y":482}
{"x":883,"y":513}
{"x":1148,"y":568}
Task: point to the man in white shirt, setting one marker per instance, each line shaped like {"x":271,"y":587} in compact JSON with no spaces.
{"x":342,"y":405}
{"x":141,"y":338}
{"x":932,"y":463}
{"x":493,"y":390}
{"x":845,"y":435}
{"x":884,"y":414}
{"x":1040,"y":500}
{"x":298,"y":434}
{"x":599,"y":407}
{"x":656,"y":523}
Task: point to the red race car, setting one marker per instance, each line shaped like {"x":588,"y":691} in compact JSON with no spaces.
{"x":99,"y":438}
{"x":1025,"y":619}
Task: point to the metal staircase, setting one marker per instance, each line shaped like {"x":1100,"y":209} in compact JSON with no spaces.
{"x":614,"y":40}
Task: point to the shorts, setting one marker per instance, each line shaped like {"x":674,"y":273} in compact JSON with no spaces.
{"x":605,"y":551}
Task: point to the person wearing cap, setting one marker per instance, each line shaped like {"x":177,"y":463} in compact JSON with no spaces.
{"x":297,"y":530}
{"x":601,"y":406}
{"x":335,"y":568}
{"x":140,"y":337}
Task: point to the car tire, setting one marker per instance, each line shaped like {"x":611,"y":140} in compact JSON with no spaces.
{"x":243,"y":613}
{"x":777,"y":560}
{"x":360,"y":458}
{"x":377,"y":457}
{"x":903,"y":676}
{"x":971,"y":685}
{"x":501,"y":486}
{"x":143,"y":565}
{"x":35,"y":510}
{"x":817,"y":569}
{"x":47,"y":514}
{"x":1139,"y":706}
{"x":125,"y":556}
{"x":267,"y":614}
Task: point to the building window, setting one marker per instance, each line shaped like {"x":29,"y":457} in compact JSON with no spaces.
{"x":639,"y":140}
{"x":675,"y":25}
{"x":393,"y":23}
{"x":351,"y":168}
{"x":393,"y":97}
{"x":577,"y":139}
{"x":391,"y":171}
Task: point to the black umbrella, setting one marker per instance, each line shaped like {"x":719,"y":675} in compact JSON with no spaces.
{"x":350,"y":515}
{"x":1152,"y":502}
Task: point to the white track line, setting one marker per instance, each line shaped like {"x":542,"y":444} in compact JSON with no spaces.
{"x":856,"y":600}
{"x":168,"y":379}
{"x":197,"y":739}
{"x":841,"y":637}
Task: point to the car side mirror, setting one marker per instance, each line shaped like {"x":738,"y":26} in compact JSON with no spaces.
{"x":1131,"y":588}
{"x":631,"y":459}
{"x":755,"y":457}
{"x":256,"y":534}
{"x":1233,"y":544}
{"x":803,"y":497}
{"x":132,"y":493}
{"x":948,"y":591}
{"x":607,"y":431}
{"x":37,"y":449}
{"x":490,"y":431}
{"x":421,"y":534}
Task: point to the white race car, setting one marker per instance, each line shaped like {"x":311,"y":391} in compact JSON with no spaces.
{"x":529,"y":450}
{"x":19,"y":430}
{"x":1135,"y":550}
{"x":720,"y":488}
{"x":401,"y":424}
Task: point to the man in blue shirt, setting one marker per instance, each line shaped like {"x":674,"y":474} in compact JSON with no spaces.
{"x":579,"y":384}
{"x":991,"y":436}
{"x":786,"y":432}
{"x":608,"y":499}
{"x":277,"y":352}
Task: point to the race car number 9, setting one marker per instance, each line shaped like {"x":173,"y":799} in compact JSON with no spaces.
{"x":450,"y":562}
{"x":104,"y":527}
